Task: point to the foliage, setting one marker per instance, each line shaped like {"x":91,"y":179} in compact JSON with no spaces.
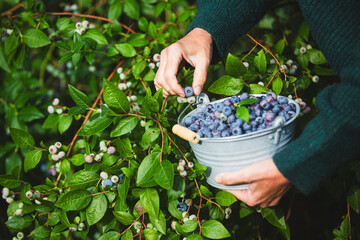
{"x":102,"y":77}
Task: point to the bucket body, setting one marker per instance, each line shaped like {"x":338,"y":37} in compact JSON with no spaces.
{"x":234,"y":153}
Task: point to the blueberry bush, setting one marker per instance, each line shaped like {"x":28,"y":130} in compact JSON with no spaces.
{"x":87,"y":150}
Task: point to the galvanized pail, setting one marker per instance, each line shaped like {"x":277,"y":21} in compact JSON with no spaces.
{"x":236,"y":152}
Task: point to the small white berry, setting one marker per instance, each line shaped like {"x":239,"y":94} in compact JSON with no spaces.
{"x":45,"y":198}
{"x":152,"y":65}
{"x":246,"y":64}
{"x":92,"y":69}
{"x":37,"y":194}
{"x":157,"y":57}
{"x":59,"y":110}
{"x":78,"y":25}
{"x":97,"y":158}
{"x":228,"y":211}
{"x":55,"y":157}
{"x":119,"y":70}
{"x":303,"y":50}
{"x":142,"y":123}
{"x":129,"y":84}
{"x":78,"y":31}
{"x":103,"y":149}
{"x":122,"y":76}
{"x":20,"y":235}
{"x":149,"y":225}
{"x":101,"y":154}
{"x":183,"y":174}
{"x":182,"y":162}
{"x":290,"y":96}
{"x":181,"y":100}
{"x":9,"y":200}
{"x":72,"y":229}
{"x":74,"y":7}
{"x":111,"y":150}
{"x":77,"y":220}
{"x":104,"y":175}
{"x":302,"y":105}
{"x":88,"y":159}
{"x":180,"y":168}
{"x":137,"y":225}
{"x":29,"y":194}
{"x":289,"y":62}
{"x":191,"y":99}
{"x":37,"y":202}
{"x":186,"y":219}
{"x":50,"y":109}
{"x":261,"y":83}
{"x":85,"y":24}
{"x":227,"y":216}
{"x":18,"y":212}
{"x":52,"y":149}
{"x":272,"y":61}
{"x":192,"y":217}
{"x":55,"y":101}
{"x":158,"y":64}
{"x":128,"y":98}
{"x":5,"y":191}
{"x":298,"y":100}
{"x":115,"y":179}
{"x":61,"y":154}
{"x":133,"y":98}
{"x":173,"y":224}
{"x":190,"y":164}
{"x":102,"y":144}
{"x":81,"y":227}
{"x":58,"y":144}
{"x":82,"y":30}
{"x":308,"y":46}
{"x":21,"y":205}
{"x":283,"y":68}
{"x":92,"y":155}
{"x":315,"y":79}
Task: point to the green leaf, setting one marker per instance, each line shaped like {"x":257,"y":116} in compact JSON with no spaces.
{"x":64,"y":123}
{"x":84,"y":179}
{"x":243,"y":113}
{"x":22,"y":139}
{"x":95,"y":35}
{"x":245,"y":210}
{"x":224,"y":198}
{"x":124,"y":126}
{"x":234,"y":67}
{"x":28,"y":114}
{"x":150,"y":200}
{"x":159,"y":223}
{"x":41,"y":232}
{"x":124,"y":217}
{"x":3,"y":63}
{"x":11,"y":43}
{"x":194,"y":237}
{"x":77,"y":160}
{"x":277,"y":85}
{"x":35,"y":38}
{"x":205,"y":191}
{"x":127,"y":235}
{"x":345,"y":227}
{"x":247,"y":101}
{"x":173,"y":210}
{"x":115,"y":10}
{"x":138,"y":68}
{"x":126,"y":49}
{"x":143,"y":24}
{"x":150,"y":135}
{"x":354,"y":199}
{"x":138,"y":40}
{"x":66,"y":57}
{"x":112,"y":235}
{"x":97,"y":209}
{"x":279,"y":46}
{"x":164,"y":175}
{"x":95,"y":124}
{"x":115,"y":98}
{"x":132,"y":9}
{"x":79,"y":97}
{"x":258,"y":89}
{"x":151,"y":234}
{"x":214,"y":230}
{"x":316,"y":56}
{"x":152,"y":30}
{"x":74,"y":200}
{"x":63,"y":23}
{"x":18,"y":223}
{"x":226,"y":85}
{"x":32,"y":158}
{"x":188,"y":227}
{"x":9,"y":181}
{"x":147,"y":168}
{"x":260,"y":62}
{"x":274,"y":216}
{"x":303,"y":60}
{"x":149,"y":76}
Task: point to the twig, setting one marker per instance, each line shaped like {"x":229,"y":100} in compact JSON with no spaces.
{"x":249,"y":52}
{"x":8,"y":12}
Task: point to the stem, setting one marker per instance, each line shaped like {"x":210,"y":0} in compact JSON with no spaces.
{"x":249,"y":52}
{"x":131,"y":225}
{"x":43,"y":64}
{"x":272,"y":77}
{"x":8,"y":12}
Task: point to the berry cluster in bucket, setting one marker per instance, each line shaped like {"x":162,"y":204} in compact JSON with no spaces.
{"x":220,"y":119}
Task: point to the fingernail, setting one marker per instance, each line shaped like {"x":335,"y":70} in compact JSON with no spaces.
{"x":218,"y":179}
{"x":198,"y":90}
{"x":181,"y":94}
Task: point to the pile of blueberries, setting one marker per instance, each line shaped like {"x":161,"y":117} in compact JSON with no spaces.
{"x":219,"y":119}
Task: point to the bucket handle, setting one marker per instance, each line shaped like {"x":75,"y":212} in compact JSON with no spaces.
{"x":185,"y":133}
{"x":279,"y":122}
{"x":200,"y":101}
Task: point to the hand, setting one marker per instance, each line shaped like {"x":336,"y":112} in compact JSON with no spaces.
{"x":196,"y":49}
{"x":266,"y":184}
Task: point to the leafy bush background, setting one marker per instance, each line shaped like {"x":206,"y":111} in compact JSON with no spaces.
{"x":35,"y":72}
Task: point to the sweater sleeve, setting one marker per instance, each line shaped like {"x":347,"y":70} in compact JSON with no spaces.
{"x":332,"y":138}
{"x":226,"y":20}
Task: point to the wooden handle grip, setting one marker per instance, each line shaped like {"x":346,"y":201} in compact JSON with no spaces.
{"x":185,"y":133}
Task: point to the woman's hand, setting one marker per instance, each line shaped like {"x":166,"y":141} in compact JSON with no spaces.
{"x":196,"y":49}
{"x":266,"y":184}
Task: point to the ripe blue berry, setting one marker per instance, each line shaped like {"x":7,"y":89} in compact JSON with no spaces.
{"x":235,"y":99}
{"x":189,"y":91}
{"x":219,"y":106}
{"x":244,"y":96}
{"x":236,"y":131}
{"x":182,"y":207}
{"x":226,"y":133}
{"x":194,"y":127}
{"x":227,"y":111}
{"x":189,"y":120}
{"x":107,"y":182}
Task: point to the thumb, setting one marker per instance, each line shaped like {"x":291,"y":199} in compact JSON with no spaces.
{"x":231,"y":178}
{"x":200,"y":74}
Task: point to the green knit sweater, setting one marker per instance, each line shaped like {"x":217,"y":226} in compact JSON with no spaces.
{"x":332,"y":138}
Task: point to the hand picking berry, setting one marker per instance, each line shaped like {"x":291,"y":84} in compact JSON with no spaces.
{"x":189,"y":91}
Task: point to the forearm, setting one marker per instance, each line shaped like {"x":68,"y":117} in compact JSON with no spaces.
{"x":227,"y":20}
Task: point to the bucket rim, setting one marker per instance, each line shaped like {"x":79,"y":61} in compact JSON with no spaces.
{"x":246,"y":136}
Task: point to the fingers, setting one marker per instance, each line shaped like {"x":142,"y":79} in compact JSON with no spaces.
{"x":238,"y":177}
{"x":200,"y":74}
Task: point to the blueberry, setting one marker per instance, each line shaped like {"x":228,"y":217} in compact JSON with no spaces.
{"x":234,"y":99}
{"x":269,"y":99}
{"x":238,"y":123}
{"x":292,"y":106}
{"x":227,"y":111}
{"x":107,"y":182}
{"x":276,"y":109}
{"x":244,"y":96}
{"x":266,"y":106}
{"x":216,"y":134}
{"x":252,"y":116}
{"x":262,"y":126}
{"x":227,"y":102}
{"x":257,"y":112}
{"x":282,"y":100}
{"x":211,"y":116}
{"x":200,"y":115}
{"x":254,"y":123}
{"x":182,"y":207}
{"x":222,"y":117}
{"x":274,"y":103}
{"x":271,"y":94}
{"x":219,"y":106}
{"x":207,"y":133}
{"x":246,"y":126}
{"x":259,"y":120}
{"x":225,"y":133}
{"x":222,"y":126}
{"x":189,"y":120}
{"x":213,"y":126}
{"x":231,"y":119}
{"x":208,"y":121}
{"x":194,"y":127}
{"x":270,"y":117}
{"x":189,"y":91}
{"x":286,"y":107}
{"x":236,"y":131}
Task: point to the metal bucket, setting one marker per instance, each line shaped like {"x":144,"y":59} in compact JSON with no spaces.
{"x":236,"y":152}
